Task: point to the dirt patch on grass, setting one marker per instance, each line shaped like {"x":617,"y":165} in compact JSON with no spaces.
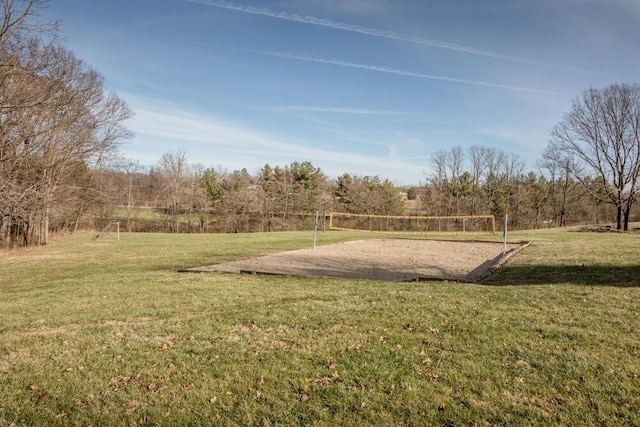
{"x":381,"y":259}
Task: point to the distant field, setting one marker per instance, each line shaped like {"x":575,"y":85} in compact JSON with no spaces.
{"x":110,"y":333}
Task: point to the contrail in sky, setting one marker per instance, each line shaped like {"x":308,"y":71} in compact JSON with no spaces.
{"x":356,"y":111}
{"x":387,"y":70}
{"x":369,"y":31}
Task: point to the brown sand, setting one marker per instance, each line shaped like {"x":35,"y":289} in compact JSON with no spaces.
{"x":380,"y":259}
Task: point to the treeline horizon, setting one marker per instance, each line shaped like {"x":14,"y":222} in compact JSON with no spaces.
{"x":192,"y":198}
{"x":189,"y":197}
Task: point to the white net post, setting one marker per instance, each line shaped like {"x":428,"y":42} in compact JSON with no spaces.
{"x":315,"y":229}
{"x":504,"y":245}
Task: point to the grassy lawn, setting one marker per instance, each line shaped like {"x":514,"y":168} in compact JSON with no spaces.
{"x":109,"y":333}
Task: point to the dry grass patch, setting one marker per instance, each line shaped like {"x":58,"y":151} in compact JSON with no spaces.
{"x":114,"y":341}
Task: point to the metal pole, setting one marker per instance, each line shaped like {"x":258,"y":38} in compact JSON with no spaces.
{"x":504,"y":248}
{"x":315,"y":230}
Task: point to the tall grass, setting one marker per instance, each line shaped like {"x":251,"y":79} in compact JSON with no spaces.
{"x":109,"y":333}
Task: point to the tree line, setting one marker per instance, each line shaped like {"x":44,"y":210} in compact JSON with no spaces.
{"x":189,"y":197}
{"x":588,"y":171}
{"x":489,"y":181}
{"x":477,"y":181}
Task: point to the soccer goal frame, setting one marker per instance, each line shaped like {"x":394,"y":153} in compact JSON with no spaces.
{"x":414,"y":224}
{"x":113,"y":226}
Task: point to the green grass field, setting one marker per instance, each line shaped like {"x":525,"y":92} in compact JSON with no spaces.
{"x":109,"y":333}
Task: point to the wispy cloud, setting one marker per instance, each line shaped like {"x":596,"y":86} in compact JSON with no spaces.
{"x":395,"y":71}
{"x":161,"y":119}
{"x":338,"y":110}
{"x":371,"y":32}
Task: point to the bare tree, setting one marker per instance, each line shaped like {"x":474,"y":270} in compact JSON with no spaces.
{"x":174,"y":167}
{"x":58,"y":125}
{"x":239,"y":201}
{"x":283,"y":185}
{"x":602,"y":133}
{"x":436,"y":199}
{"x":513,"y":169}
{"x":128,"y":192}
{"x":18,"y":20}
{"x":479,"y":166}
{"x":557,"y":165}
{"x":198,"y":201}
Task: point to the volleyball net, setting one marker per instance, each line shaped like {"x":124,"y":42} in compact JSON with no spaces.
{"x":413,"y":224}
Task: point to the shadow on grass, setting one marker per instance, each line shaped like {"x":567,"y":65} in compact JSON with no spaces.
{"x":621,"y":276}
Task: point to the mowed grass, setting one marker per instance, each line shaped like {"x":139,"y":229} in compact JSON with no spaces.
{"x":110,"y":333}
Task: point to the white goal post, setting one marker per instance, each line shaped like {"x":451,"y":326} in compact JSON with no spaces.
{"x":110,"y":232}
{"x":413,"y":224}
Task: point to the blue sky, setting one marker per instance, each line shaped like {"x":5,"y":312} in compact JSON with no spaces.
{"x":368,"y":87}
